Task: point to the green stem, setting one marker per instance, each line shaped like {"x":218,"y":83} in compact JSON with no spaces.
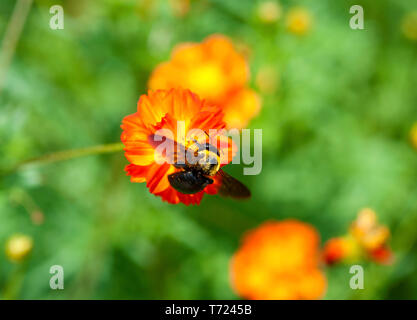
{"x":11,"y":36}
{"x":14,"y":283}
{"x":68,"y":154}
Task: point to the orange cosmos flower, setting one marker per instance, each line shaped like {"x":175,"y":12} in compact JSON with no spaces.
{"x":339,"y":249}
{"x":216,"y":72}
{"x":161,"y":110}
{"x":366,"y":239}
{"x":279,"y":260}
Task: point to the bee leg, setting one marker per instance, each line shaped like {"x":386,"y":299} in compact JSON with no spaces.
{"x":189,"y":182}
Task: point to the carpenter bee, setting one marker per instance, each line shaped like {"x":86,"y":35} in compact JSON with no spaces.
{"x":195,"y":176}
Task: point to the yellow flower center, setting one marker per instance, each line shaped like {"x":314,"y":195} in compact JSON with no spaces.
{"x":207,"y":80}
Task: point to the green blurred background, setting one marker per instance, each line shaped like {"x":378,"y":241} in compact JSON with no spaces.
{"x":335,"y":139}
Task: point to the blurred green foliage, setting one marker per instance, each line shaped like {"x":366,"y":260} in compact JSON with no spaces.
{"x":335,"y":139}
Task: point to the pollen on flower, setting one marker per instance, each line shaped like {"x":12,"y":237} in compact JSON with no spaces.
{"x":164,"y":110}
{"x":215,"y":71}
{"x":299,"y":21}
{"x":18,"y":247}
{"x":279,"y":260}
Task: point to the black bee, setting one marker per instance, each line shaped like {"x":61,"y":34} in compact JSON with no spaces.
{"x":194,"y":177}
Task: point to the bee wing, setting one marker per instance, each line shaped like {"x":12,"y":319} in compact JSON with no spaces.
{"x":231,"y":187}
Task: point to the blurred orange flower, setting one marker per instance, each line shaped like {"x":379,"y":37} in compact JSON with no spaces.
{"x":340,"y":248}
{"x":161,"y":110}
{"x":215,"y":71}
{"x":366,"y":239}
{"x":279,"y":260}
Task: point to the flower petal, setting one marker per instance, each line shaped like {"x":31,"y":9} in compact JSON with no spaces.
{"x":156,"y":177}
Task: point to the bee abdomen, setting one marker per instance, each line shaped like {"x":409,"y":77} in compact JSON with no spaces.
{"x":189,"y":182}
